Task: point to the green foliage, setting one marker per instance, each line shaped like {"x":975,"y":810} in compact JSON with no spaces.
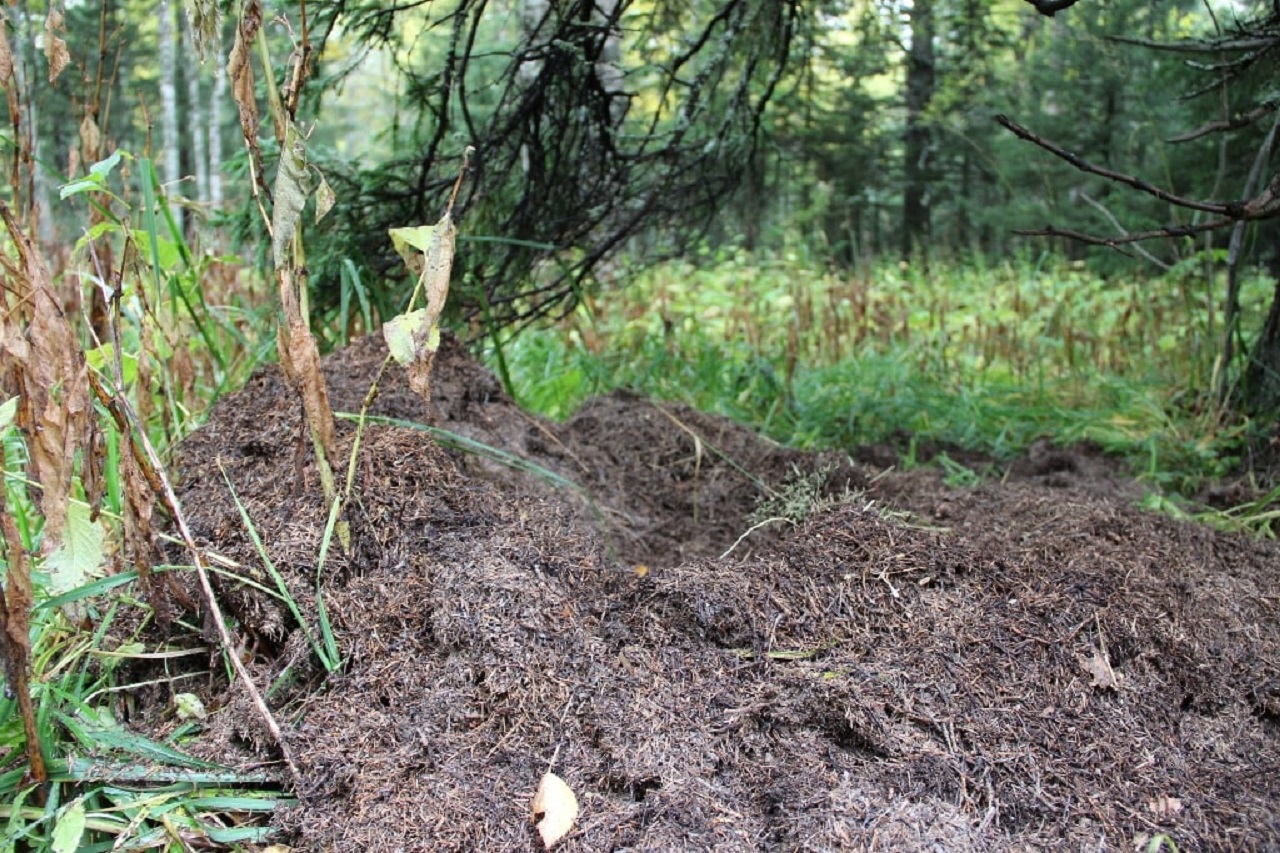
{"x":984,"y":358}
{"x":184,"y":331}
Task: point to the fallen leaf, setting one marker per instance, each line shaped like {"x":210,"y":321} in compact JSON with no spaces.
{"x":1099,"y":668}
{"x":1165,"y":807}
{"x":557,"y":805}
{"x":77,"y":557}
{"x":68,"y":828}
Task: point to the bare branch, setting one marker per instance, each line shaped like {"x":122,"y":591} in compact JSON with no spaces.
{"x":1231,"y":210}
{"x":1132,"y":237}
{"x":1194,"y":46}
{"x":1124,"y":232}
{"x":1236,"y":122}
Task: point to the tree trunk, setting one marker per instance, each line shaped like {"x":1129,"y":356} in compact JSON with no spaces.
{"x":920,"y":86}
{"x":171,"y":154}
{"x":1262,"y":375}
{"x":196,"y":116}
{"x":215,"y":127}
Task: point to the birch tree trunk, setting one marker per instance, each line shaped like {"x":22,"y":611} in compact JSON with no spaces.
{"x":171,"y":154}
{"x":196,"y":116}
{"x":215,"y":127}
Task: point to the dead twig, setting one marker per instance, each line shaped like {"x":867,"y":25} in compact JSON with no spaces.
{"x":155,"y":474}
{"x":1233,"y":210}
{"x":1131,"y":237}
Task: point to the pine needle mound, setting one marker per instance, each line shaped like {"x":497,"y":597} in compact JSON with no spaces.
{"x":909,"y":666}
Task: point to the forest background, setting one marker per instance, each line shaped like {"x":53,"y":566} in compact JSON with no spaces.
{"x":804,"y":216}
{"x":847,"y":139}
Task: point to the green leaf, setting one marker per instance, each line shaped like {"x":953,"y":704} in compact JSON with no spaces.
{"x":102,"y":360}
{"x":79,"y":554}
{"x":403,"y":333}
{"x":69,"y":828}
{"x":137,"y":745}
{"x":8,"y":411}
{"x":90,"y":183}
{"x":102,"y":168}
{"x":413,"y":245}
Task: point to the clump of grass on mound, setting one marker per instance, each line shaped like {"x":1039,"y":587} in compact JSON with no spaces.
{"x":987,"y":357}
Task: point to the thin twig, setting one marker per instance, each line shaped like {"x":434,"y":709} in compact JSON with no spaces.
{"x":1233,"y":210}
{"x":120,"y":403}
{"x":752,"y":529}
{"x":1105,"y":211}
{"x":1235,"y":122}
{"x":1132,"y":237}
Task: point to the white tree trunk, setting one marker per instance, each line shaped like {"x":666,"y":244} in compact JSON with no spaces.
{"x":172,"y":156}
{"x":215,"y":127}
{"x":196,"y":116}
{"x":609,"y":65}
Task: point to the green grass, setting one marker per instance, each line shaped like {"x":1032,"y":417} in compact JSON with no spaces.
{"x":986,"y":357}
{"x":188,"y":330}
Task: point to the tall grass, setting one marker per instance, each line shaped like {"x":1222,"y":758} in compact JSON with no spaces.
{"x":987,"y":356}
{"x":190,"y":325}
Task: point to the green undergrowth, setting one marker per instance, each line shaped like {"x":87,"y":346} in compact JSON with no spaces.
{"x":986,"y":357}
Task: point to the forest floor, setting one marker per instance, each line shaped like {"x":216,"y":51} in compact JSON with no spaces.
{"x":1025,"y":662}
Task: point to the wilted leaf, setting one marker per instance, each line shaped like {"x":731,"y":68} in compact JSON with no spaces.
{"x":240,"y":73}
{"x":557,"y":806}
{"x":289,"y":194}
{"x":90,"y":138}
{"x":1099,"y":668}
{"x":55,"y":49}
{"x":429,"y":249}
{"x":54,"y":412}
{"x":69,"y":829}
{"x":405,"y":334}
{"x":205,"y":23}
{"x":8,"y":409}
{"x":325,"y":198}
{"x":412,"y":245}
{"x":79,"y":554}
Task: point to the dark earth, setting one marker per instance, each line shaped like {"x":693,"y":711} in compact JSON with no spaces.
{"x":723,"y":644}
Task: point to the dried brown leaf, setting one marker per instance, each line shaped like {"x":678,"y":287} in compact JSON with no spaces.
{"x":51,"y":372}
{"x":300,"y":360}
{"x":6,"y":53}
{"x":240,"y":74}
{"x":1099,"y":669}
{"x":90,"y":139}
{"x":55,"y":49}
{"x":204,"y":21}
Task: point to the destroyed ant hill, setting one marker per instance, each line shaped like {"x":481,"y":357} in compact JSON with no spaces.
{"x":883,"y":663}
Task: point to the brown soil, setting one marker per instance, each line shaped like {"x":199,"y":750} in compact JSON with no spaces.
{"x":1028,"y":663}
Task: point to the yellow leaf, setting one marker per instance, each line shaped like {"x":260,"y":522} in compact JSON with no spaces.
{"x":557,"y":805}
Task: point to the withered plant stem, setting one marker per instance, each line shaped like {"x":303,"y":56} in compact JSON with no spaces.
{"x":156,"y":475}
